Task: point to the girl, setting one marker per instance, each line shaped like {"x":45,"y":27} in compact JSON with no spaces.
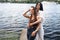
{"x":40,"y":33}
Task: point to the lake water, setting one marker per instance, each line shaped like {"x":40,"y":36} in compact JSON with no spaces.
{"x":12,"y":20}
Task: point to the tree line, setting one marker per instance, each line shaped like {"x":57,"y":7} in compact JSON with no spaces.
{"x":27,"y":1}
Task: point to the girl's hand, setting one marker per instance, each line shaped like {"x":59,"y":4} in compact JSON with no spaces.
{"x":33,"y":33}
{"x":29,"y":10}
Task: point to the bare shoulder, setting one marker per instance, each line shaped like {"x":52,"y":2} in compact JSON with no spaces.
{"x":38,"y":17}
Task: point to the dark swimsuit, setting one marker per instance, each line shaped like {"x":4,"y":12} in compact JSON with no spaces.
{"x":29,"y":32}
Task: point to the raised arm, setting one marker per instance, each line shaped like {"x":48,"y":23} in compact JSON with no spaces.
{"x":25,"y":15}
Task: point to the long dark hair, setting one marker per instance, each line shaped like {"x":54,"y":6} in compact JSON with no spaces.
{"x":35,"y":15}
{"x":41,"y":6}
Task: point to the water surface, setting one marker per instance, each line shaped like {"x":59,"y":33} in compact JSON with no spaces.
{"x":12,"y":20}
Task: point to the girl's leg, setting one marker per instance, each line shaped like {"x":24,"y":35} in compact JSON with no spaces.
{"x":32,"y":37}
{"x":29,"y":32}
{"x":41,"y":33}
{"x":27,"y":37}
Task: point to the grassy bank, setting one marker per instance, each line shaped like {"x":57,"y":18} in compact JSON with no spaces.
{"x":11,"y":38}
{"x":9,"y":35}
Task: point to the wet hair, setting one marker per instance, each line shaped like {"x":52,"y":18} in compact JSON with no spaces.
{"x":41,"y":6}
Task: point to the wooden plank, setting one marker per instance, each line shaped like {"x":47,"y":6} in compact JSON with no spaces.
{"x":23,"y":34}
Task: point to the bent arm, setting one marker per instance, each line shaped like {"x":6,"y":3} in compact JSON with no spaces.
{"x":38,"y":21}
{"x":38,"y":27}
{"x":39,"y":24}
{"x":25,"y":15}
